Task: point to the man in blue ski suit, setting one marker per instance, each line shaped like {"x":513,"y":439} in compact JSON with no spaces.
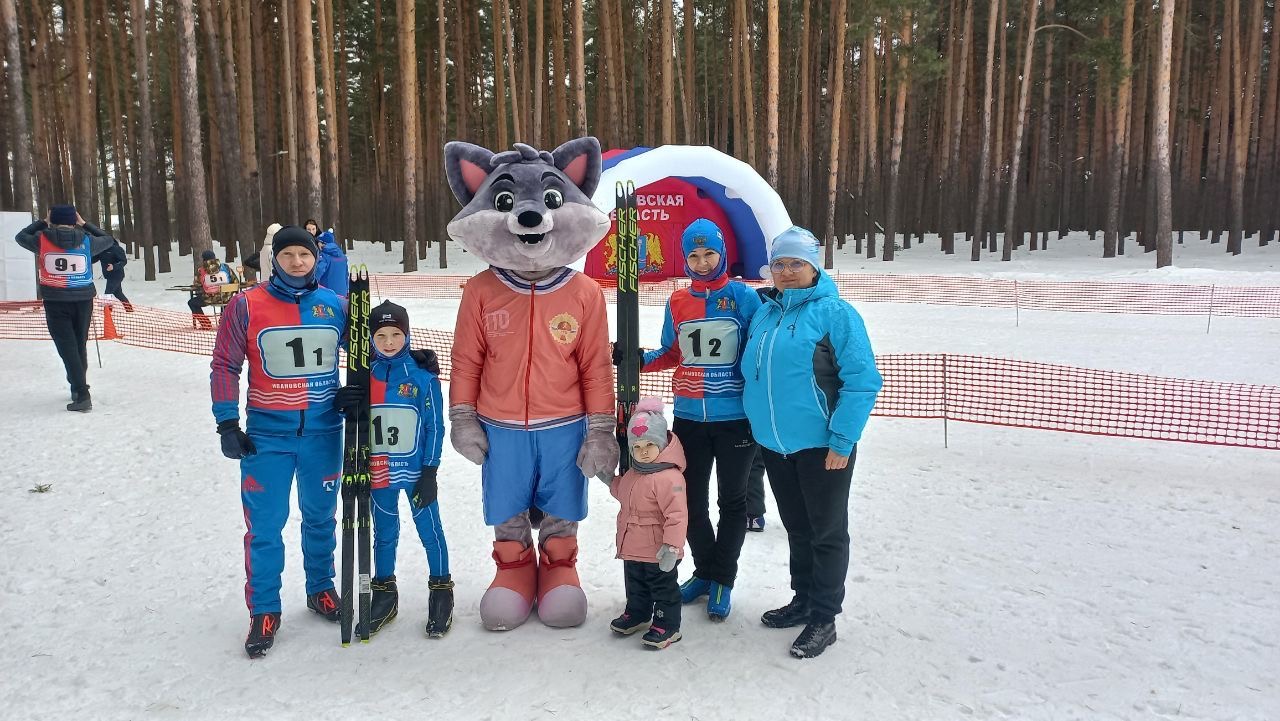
{"x":289,"y":330}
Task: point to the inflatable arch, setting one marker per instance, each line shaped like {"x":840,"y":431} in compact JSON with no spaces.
{"x":675,"y":185}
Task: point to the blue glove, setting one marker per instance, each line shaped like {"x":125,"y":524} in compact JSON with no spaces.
{"x":235,"y":443}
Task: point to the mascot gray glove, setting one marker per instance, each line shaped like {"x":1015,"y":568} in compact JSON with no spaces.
{"x":599,"y":452}
{"x":667,"y":556}
{"x":466,"y":435}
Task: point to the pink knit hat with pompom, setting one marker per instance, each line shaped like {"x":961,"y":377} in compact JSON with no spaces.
{"x":647,"y":422}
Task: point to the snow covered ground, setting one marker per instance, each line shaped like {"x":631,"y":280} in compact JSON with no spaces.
{"x":1016,"y":574}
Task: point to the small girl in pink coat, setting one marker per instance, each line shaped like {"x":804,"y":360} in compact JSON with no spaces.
{"x":652,"y":524}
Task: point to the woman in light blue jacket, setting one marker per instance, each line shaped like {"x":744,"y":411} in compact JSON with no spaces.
{"x":810,"y":383}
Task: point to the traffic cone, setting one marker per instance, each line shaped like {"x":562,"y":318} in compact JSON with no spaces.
{"x":109,"y":331}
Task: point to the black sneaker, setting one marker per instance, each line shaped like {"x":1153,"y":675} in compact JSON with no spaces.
{"x":440,"y":606}
{"x":627,"y":624}
{"x":814,"y":639}
{"x":82,"y":403}
{"x":793,"y":614}
{"x":326,"y":604}
{"x":262,"y":633}
{"x":384,"y":605}
{"x":661,"y":637}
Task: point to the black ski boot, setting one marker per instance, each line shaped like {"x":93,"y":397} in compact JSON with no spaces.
{"x":262,"y":633}
{"x":440,"y":606}
{"x":325,"y":603}
{"x":814,"y":639}
{"x":81,"y":402}
{"x":793,"y":614}
{"x":384,"y":605}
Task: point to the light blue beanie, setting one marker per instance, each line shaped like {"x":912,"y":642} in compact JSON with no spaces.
{"x":795,"y":242}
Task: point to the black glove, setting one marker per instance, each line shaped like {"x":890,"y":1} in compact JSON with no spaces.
{"x":348,"y":399}
{"x":424,"y":491}
{"x":235,"y":443}
{"x":617,"y":355}
{"x":426,"y":360}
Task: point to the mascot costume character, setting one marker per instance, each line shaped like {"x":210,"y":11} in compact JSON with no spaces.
{"x":531,"y":398}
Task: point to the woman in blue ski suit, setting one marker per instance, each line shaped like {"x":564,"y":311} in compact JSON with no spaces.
{"x":331,"y":264}
{"x":701,"y":336}
{"x":288,"y":329}
{"x":811,"y":381}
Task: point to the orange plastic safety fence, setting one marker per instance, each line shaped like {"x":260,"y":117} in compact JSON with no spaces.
{"x":1048,"y":295}
{"x":972,"y":389}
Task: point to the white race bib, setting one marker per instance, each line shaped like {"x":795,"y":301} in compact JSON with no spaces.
{"x":393,"y":430}
{"x":299,"y":351}
{"x":64,"y":264}
{"x":709,"y":342}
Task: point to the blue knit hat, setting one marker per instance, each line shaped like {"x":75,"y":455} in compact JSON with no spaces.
{"x":795,"y":242}
{"x":62,"y":215}
{"x":703,"y":233}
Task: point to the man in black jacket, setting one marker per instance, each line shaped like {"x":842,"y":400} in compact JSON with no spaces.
{"x":113,"y":261}
{"x":66,"y":247}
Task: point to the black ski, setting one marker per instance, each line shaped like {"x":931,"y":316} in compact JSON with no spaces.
{"x":628,"y":254}
{"x":355,"y":462}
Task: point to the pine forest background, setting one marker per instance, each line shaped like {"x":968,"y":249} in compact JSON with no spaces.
{"x":992,"y":123}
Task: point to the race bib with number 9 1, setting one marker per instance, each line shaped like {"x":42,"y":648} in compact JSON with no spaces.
{"x":64,"y":263}
{"x":393,"y":430}
{"x":709,"y":342}
{"x":298,"y":351}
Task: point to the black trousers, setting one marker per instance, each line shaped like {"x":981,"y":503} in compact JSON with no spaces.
{"x":68,"y":322}
{"x":814,"y":505}
{"x":729,"y":446}
{"x":652,"y":593}
{"x":196,"y":304}
{"x":114,"y":289}
{"x":755,"y":486}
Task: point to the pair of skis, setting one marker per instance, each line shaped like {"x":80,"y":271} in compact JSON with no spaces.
{"x":628,"y":259}
{"x":355,"y":463}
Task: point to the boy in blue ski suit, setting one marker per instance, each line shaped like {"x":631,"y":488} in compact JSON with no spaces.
{"x":289,"y":330}
{"x":406,"y":433}
{"x":705,"y":327}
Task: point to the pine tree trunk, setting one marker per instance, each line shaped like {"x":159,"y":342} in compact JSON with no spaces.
{"x":984,"y":163}
{"x":689,"y":94}
{"x":895,"y":145}
{"x":1115,"y":160}
{"x":85,"y":166}
{"x":409,"y":128}
{"x":332,"y":137}
{"x":517,"y":126}
{"x":559,"y":126}
{"x":287,"y":80}
{"x":304,"y":45}
{"x":667,"y":43}
{"x":539,"y":74}
{"x":1012,"y":233}
{"x":771,"y":94}
{"x":840,"y":11}
{"x":499,"y":77}
{"x":23,"y":171}
{"x":192,"y":177}
{"x":1160,"y":139}
{"x":579,"y":72}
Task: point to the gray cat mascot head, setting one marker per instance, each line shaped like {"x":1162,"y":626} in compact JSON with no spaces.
{"x":524,"y":209}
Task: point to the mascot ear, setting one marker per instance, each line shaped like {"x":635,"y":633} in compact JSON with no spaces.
{"x":466,"y":166}
{"x":579,"y":160}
